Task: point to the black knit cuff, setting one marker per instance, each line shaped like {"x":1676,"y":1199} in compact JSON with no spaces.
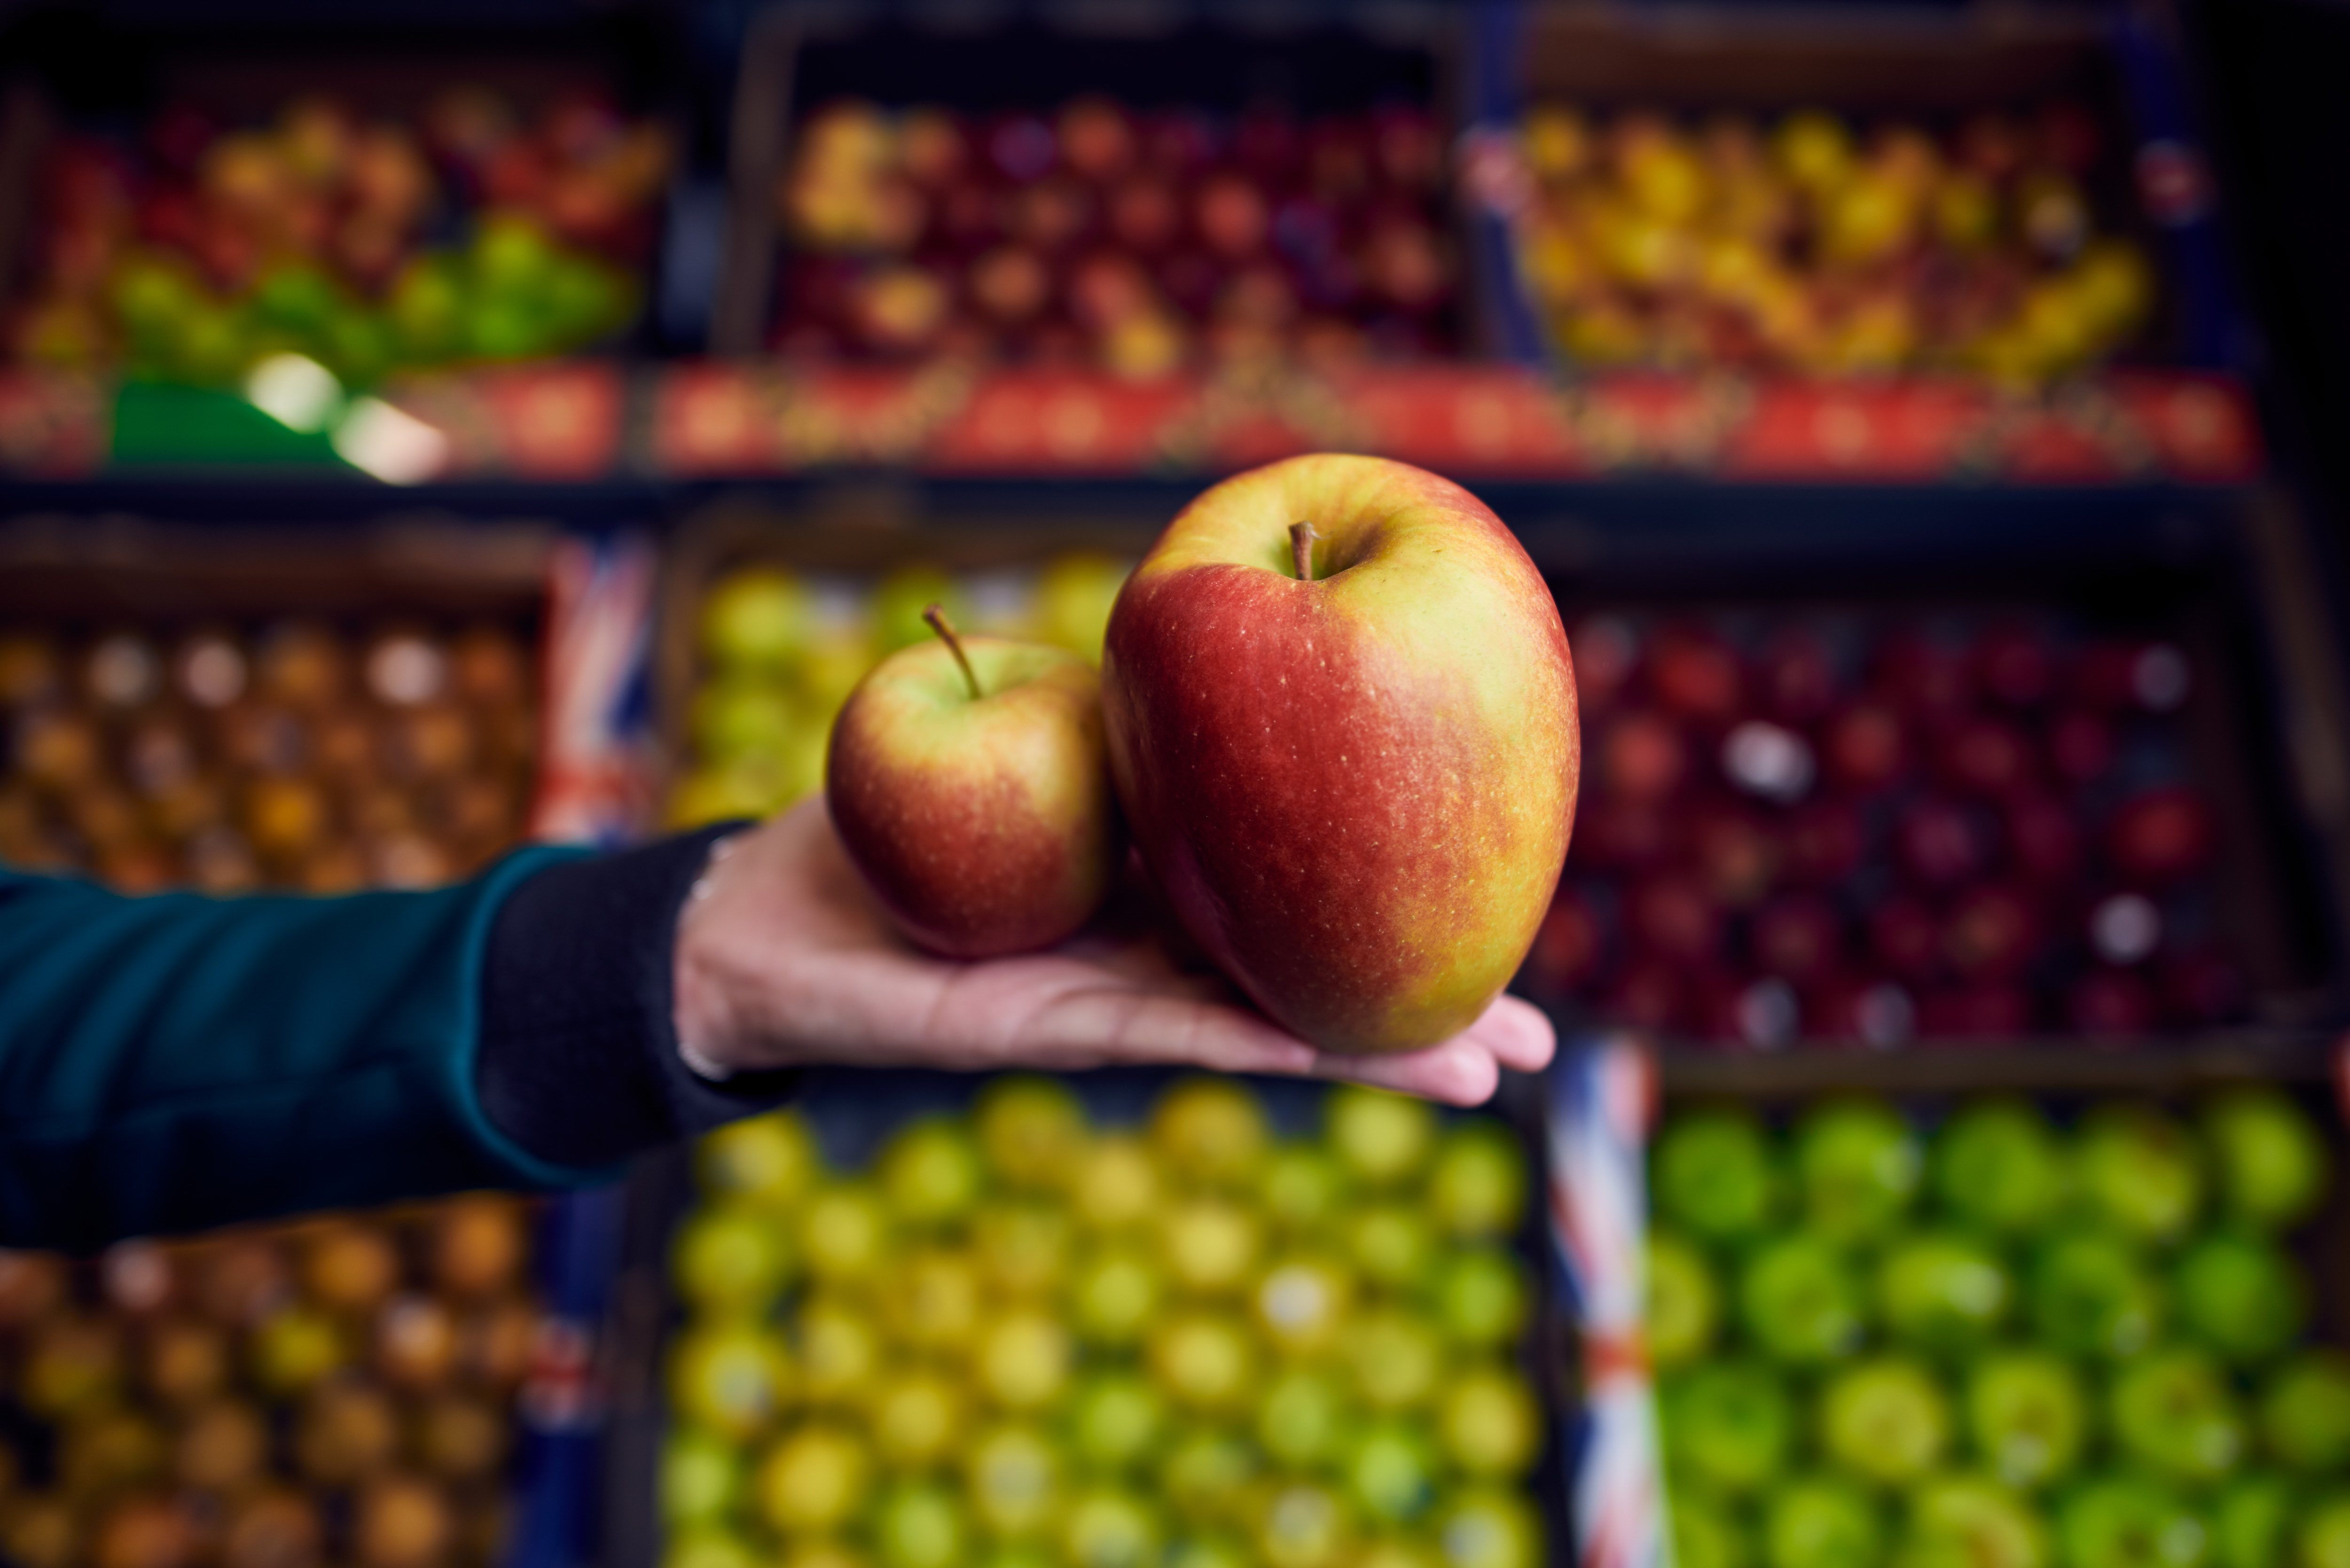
{"x":578,"y":1059}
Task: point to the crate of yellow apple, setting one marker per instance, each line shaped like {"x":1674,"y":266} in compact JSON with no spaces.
{"x":779,"y":652}
{"x":1029,"y":1334}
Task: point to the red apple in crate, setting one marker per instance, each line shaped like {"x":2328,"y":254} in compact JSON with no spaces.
{"x":1990,"y":934}
{"x":1985,"y":756}
{"x":1641,"y":757}
{"x":1797,"y":679}
{"x":2043,"y":841}
{"x":1671,"y":916}
{"x":1825,"y":842}
{"x":1341,"y":715}
{"x":1974,"y":1012}
{"x":1906,"y":935}
{"x":1567,"y":950}
{"x":2160,"y":835}
{"x":1795,"y":936}
{"x":1866,"y":749}
{"x":1920,"y":677}
{"x":2013,"y":665}
{"x":1695,"y":673}
{"x":1622,"y":836}
{"x":1940,"y":843}
{"x":967,"y":782}
{"x":2080,"y":745}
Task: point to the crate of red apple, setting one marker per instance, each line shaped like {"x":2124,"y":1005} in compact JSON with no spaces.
{"x":1090,"y":234}
{"x":469,"y":227}
{"x":1838,"y":827}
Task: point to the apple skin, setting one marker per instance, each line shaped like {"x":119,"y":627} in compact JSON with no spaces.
{"x":1355,"y":792}
{"x":983,"y":827}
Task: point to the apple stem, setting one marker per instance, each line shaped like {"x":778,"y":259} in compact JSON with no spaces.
{"x":1301,"y":549}
{"x":937,"y":616}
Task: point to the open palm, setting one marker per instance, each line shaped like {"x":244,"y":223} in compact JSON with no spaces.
{"x":785,"y":961}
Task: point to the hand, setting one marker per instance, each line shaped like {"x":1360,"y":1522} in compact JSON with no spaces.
{"x":786,"y":962}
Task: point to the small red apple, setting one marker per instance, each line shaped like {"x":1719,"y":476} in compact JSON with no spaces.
{"x":1568,"y":950}
{"x":2042,"y":840}
{"x":2110,"y":1003}
{"x":1098,"y":139}
{"x":1851,"y":1009}
{"x":2080,"y":746}
{"x":1984,"y":1012}
{"x":1866,"y":749}
{"x":1940,"y":843}
{"x":1642,"y":756}
{"x":1796,"y":678}
{"x":1990,"y":933}
{"x":2202,"y":986}
{"x":1267,"y":144}
{"x":967,"y":782}
{"x":1022,"y":148}
{"x":1906,"y":935}
{"x":1795,"y":936}
{"x":1144,"y":215}
{"x":2013,"y":665}
{"x":1671,"y":916}
{"x":1737,"y":855}
{"x":1825,"y":842}
{"x":1985,"y":756}
{"x":1924,"y":679}
{"x":2160,"y":835}
{"x":1230,"y":216}
{"x":1650,"y":995}
{"x":1606,"y":651}
{"x":1622,"y":836}
{"x":1011,"y":285}
{"x":1694,"y":673}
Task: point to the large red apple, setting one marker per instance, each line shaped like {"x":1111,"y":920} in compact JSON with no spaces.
{"x":1354,"y":782}
{"x":966,"y":782}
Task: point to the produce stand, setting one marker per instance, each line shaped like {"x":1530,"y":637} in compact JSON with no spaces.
{"x":860,"y":452}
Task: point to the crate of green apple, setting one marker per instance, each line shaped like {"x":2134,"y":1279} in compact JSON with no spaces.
{"x":1844,"y":825}
{"x":1113,"y":1322}
{"x":2102,"y":1326}
{"x":470,"y":225}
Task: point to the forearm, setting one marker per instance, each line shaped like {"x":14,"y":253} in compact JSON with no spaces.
{"x":171,"y":1063}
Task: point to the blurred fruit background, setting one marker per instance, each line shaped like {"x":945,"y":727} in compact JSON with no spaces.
{"x":1807,"y":242}
{"x":1997,"y":1336}
{"x":1135,"y":243}
{"x":1023,"y":1334}
{"x":468,"y":228}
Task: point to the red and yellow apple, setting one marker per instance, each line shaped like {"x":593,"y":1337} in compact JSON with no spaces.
{"x":967,"y":783}
{"x":1353,"y":781}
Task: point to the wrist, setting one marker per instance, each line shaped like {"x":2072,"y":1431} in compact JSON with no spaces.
{"x":705,"y":1002}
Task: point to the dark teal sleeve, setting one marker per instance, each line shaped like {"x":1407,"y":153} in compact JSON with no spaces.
{"x":177,"y":1062}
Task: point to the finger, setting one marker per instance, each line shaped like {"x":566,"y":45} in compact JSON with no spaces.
{"x":1154,"y":1028}
{"x":1517,"y":1033}
{"x":1460,"y":1071}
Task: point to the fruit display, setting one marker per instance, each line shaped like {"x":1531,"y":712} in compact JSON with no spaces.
{"x":474,"y":230}
{"x":778,"y":651}
{"x":1025,"y":1336}
{"x":1351,"y":775}
{"x":1815,"y":245}
{"x":338,"y":1391}
{"x":1839,"y":827}
{"x":2011,"y":1339}
{"x":294,"y":754}
{"x":1097,"y":234}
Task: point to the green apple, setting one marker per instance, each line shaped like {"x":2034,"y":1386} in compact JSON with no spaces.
{"x":1489,"y":1528}
{"x":1715,"y":1176}
{"x":1702,"y":1531}
{"x":814,"y":1481}
{"x":1999,"y":1166}
{"x":840,"y":1352}
{"x":1821,"y":1522}
{"x":2271,"y":1163}
{"x":700,"y":1477}
{"x":757,"y":619}
{"x":2174,"y":1412}
{"x":1029,"y":1130}
{"x":1943,"y":1292}
{"x":1207,"y":1551}
{"x":1209,"y":1245}
{"x":2139,"y":1170}
{"x":742,"y":720}
{"x":1481,"y":1298}
{"x":1390,"y":1244}
{"x":1859,"y":1164}
{"x":1301,"y":1304}
{"x":1973,"y":1521}
{"x":2125,"y":1521}
{"x":2091,"y":1294}
{"x":933,"y":1303}
{"x":1392,"y":1474}
{"x":1114,"y":1296}
{"x":1397,"y":1551}
{"x":918,"y":1524}
{"x":1341,"y":714}
{"x":917,"y":1418}
{"x":1394,"y":1359}
{"x":708,"y":1546}
{"x":930,"y":1172}
{"x":1206,"y":1473}
{"x":1107,"y":1527}
{"x":1074,"y":598}
{"x":1799,"y":1303}
{"x":1303,"y":1189}
{"x":965,"y":780}
{"x":1477,"y":1187}
{"x":2324,"y":1538}
{"x":902,"y":601}
{"x":730,"y":1377}
{"x":1022,"y":1360}
{"x":1382,"y":1139}
{"x":1204,"y":1361}
{"x":1114,"y":1419}
{"x":2251,"y":1523}
{"x":769,"y":1160}
{"x":1022,"y":1247}
{"x":1212,"y":1132}
{"x":1884,"y":1420}
{"x":1488,"y":1424}
{"x":843,"y":1233}
{"x":2240,"y":1295}
{"x":2027,"y":1415}
{"x":1013,"y":1477}
{"x":1728,"y":1425}
{"x":1301,"y":1417}
{"x":1683,"y":1303}
{"x":1303,"y":1524}
{"x":2304,"y":1412}
{"x":732,"y":1258}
